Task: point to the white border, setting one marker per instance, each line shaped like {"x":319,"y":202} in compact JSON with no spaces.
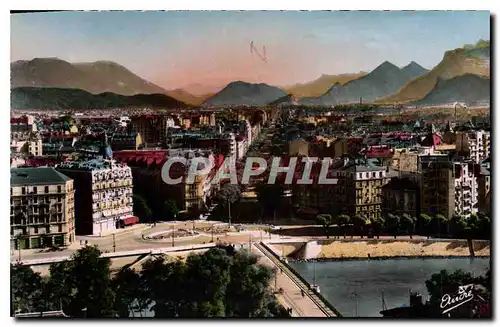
{"x":200,"y":5}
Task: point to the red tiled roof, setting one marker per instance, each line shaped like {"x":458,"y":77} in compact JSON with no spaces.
{"x":432,"y":140}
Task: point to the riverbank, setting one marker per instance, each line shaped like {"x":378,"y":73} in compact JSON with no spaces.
{"x":336,"y":250}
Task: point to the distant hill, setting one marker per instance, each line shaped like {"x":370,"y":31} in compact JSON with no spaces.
{"x":468,"y":60}
{"x":321,"y":85}
{"x":186,"y":97}
{"x":386,"y":79}
{"x":95,"y":77}
{"x":285,"y":100}
{"x":469,"y":89}
{"x":242,"y":93}
{"x":200,"y":89}
{"x":59,"y":98}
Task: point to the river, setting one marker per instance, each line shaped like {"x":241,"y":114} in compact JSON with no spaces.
{"x":344,"y":282}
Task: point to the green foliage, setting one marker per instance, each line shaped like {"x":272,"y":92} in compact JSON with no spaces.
{"x":218,"y":283}
{"x":26,"y":288}
{"x":393,"y":222}
{"x":125,"y":285}
{"x":141,"y":208}
{"x":171,"y":209}
{"x":229,"y":193}
{"x":343,"y":220}
{"x":408,"y":222}
{"x":326,"y":221}
{"x":445,"y":283}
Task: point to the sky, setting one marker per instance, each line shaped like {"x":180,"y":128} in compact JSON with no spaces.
{"x":201,"y":49}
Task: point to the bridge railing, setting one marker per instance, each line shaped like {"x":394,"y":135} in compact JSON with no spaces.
{"x":319,"y":295}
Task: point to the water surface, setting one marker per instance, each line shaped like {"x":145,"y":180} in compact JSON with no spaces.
{"x":341,"y":280}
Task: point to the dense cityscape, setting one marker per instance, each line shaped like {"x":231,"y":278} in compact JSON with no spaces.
{"x":96,"y":231}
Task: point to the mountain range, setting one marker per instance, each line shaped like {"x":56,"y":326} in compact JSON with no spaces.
{"x":242,"y":93}
{"x":468,"y":88}
{"x":384,"y":80}
{"x":94,"y":77}
{"x":462,"y":75}
{"x":66,"y":98}
{"x":467,"y":60}
{"x":321,"y":85}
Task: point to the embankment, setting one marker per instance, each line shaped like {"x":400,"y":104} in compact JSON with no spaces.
{"x":384,"y":249}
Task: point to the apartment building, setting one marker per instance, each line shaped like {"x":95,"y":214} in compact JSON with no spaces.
{"x":359,"y":188}
{"x":103,"y":194}
{"x":401,"y":196}
{"x":152,"y":128}
{"x":437,"y":185}
{"x":474,"y":144}
{"x":28,"y":145}
{"x":42,"y":211}
{"x":466,"y":188}
{"x":484,"y":189}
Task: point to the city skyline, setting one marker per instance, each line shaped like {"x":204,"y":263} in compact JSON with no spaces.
{"x":180,"y":48}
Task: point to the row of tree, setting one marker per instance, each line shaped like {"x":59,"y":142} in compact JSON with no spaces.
{"x":475,"y":226}
{"x":219,"y":283}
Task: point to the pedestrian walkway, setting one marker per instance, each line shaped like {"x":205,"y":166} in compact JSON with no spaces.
{"x":302,"y":304}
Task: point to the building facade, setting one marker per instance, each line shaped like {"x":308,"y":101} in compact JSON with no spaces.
{"x":359,"y":188}
{"x":401,"y":196}
{"x":42,"y":211}
{"x":437,"y":186}
{"x":474,"y":144}
{"x":103,"y":194}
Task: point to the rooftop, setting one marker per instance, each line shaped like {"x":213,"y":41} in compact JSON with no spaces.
{"x":36,"y":176}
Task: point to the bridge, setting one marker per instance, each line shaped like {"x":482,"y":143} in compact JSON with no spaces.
{"x":317,"y":306}
{"x":111,"y":255}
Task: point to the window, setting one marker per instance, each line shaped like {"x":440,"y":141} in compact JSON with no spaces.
{"x":36,"y":230}
{"x":46,"y":189}
{"x":23,"y":190}
{"x":60,"y":228}
{"x":34,"y":190}
{"x":59,"y":189}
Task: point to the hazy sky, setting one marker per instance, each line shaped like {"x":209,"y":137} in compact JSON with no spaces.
{"x":174,"y":49}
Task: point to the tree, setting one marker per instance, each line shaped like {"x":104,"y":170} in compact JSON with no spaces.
{"x":171,"y":209}
{"x":441,"y":220}
{"x":326,"y":221}
{"x":27,"y":289}
{"x":392,"y":222}
{"x":482,"y":226}
{"x":229,"y":194}
{"x":343,"y":220}
{"x":445,"y":283}
{"x":85,"y":281}
{"x":249,"y":281}
{"x":408,"y":222}
{"x":141,"y":208}
{"x":164,"y":286}
{"x":269,"y":196}
{"x":425,"y":222}
{"x":360,"y":221}
{"x":378,"y":224}
{"x":126,"y":285}
{"x":460,"y":226}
